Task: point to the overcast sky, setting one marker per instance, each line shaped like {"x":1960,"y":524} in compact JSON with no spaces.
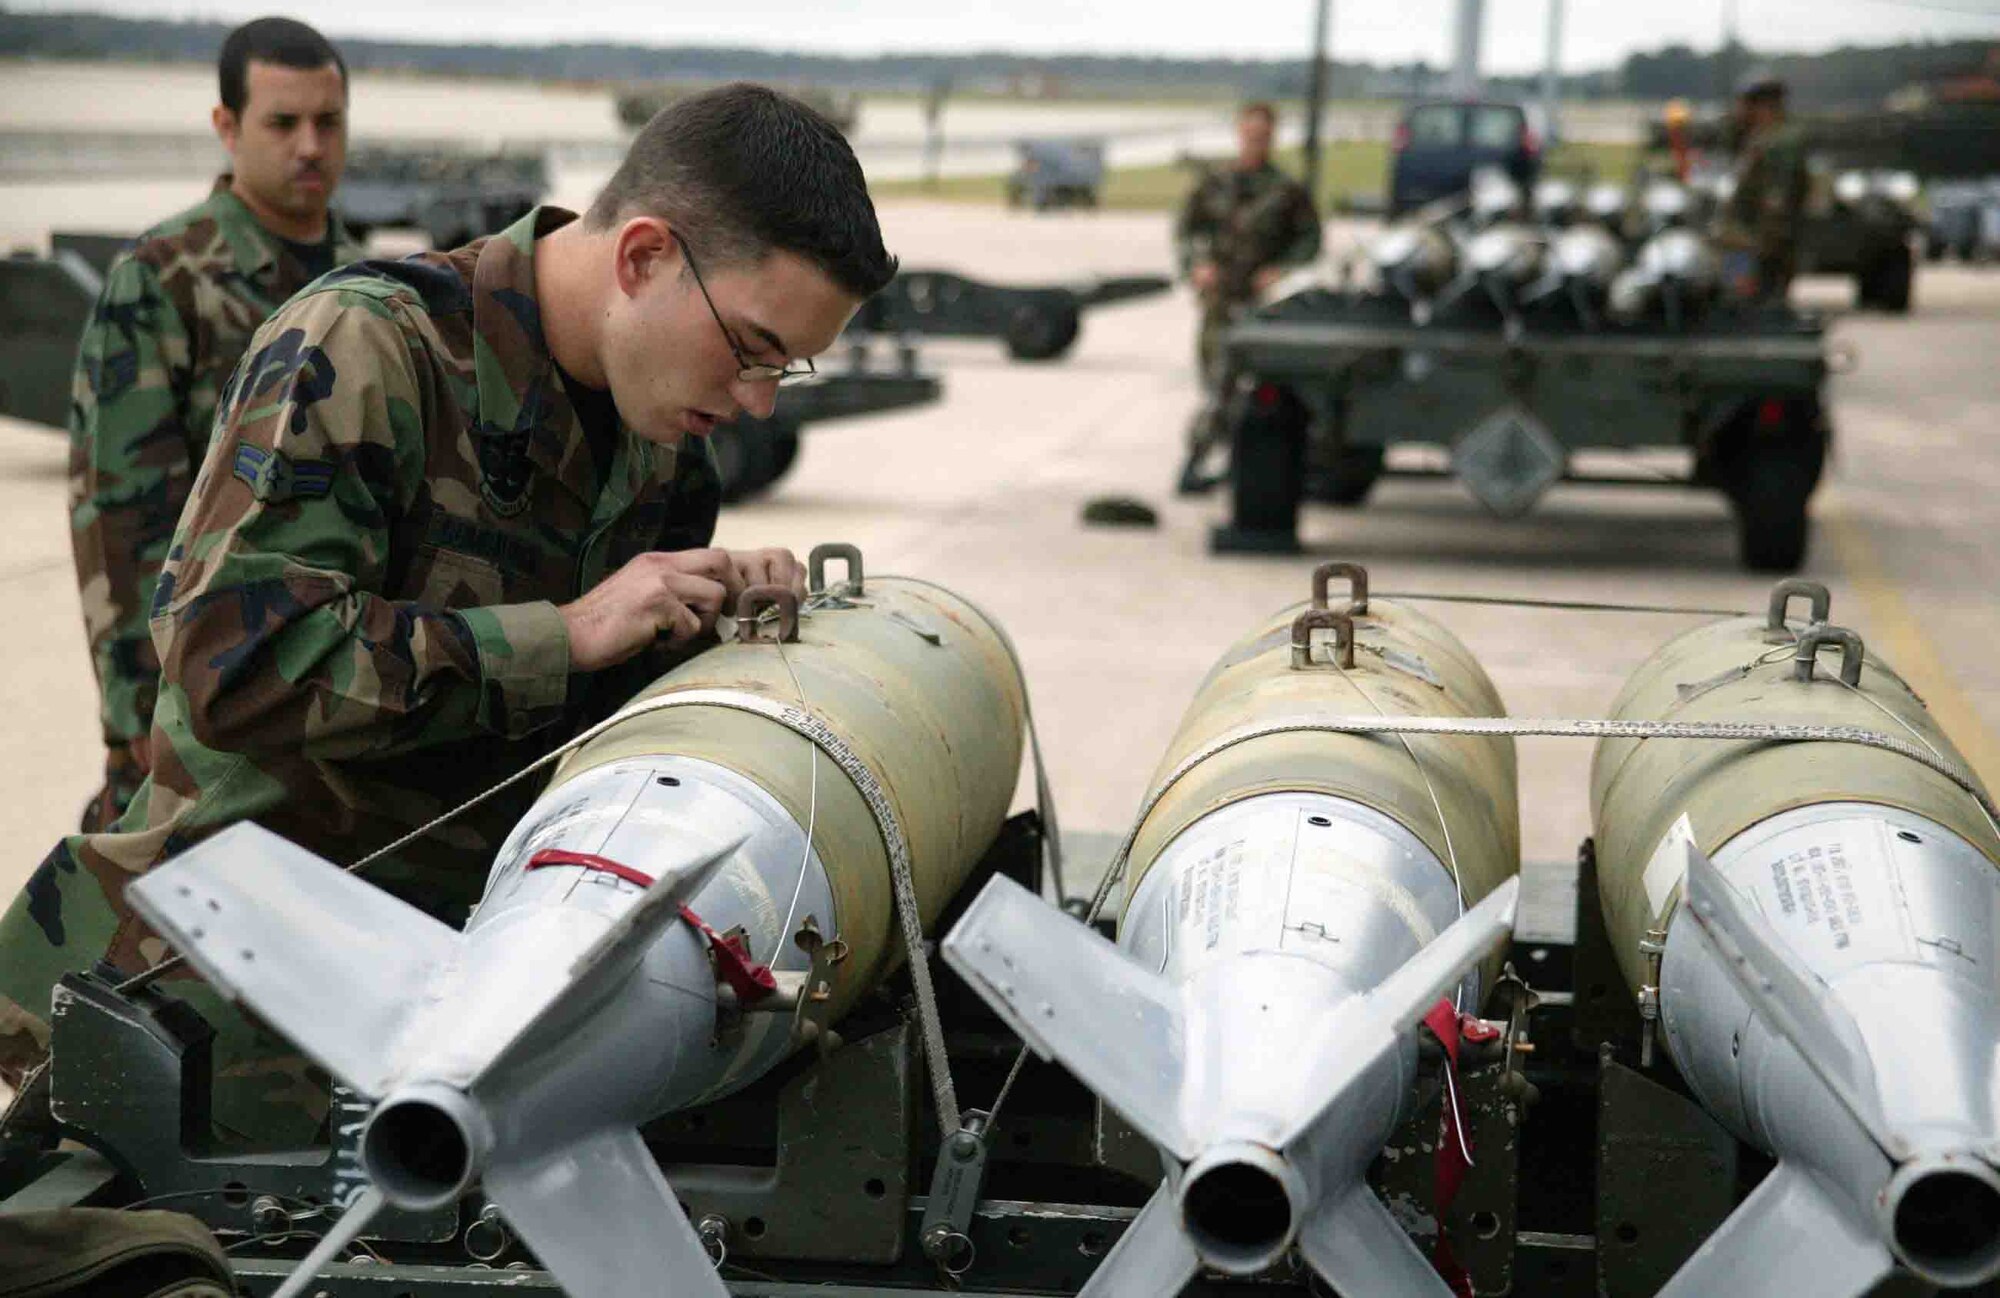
{"x":1597,"y":33}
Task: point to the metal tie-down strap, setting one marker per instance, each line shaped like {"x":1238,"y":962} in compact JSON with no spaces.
{"x":813,"y":730}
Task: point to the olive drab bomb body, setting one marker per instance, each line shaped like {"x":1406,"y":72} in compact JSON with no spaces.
{"x":709,"y":880}
{"x":1813,"y":932}
{"x":1298,"y":899}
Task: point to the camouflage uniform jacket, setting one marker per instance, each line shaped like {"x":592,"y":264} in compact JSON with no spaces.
{"x":1767,"y":206}
{"x":357,"y":622}
{"x":1244,"y":221}
{"x":174,"y":317}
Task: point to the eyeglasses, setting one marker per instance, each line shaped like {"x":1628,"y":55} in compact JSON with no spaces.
{"x":746,"y":370}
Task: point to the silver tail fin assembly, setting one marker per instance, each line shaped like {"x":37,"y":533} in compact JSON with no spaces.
{"x":1245,"y":1185}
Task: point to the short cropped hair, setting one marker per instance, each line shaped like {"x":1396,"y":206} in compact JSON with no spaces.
{"x":1259,"y":108}
{"x":283,"y":41}
{"x":740,"y":171}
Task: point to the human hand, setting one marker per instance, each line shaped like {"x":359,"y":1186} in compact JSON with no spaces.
{"x":1205,"y":277}
{"x":677,"y":593}
{"x":1265,"y":276}
{"x":776,"y":566}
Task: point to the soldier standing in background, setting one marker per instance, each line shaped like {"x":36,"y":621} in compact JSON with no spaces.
{"x":1759,"y":226}
{"x":1241,"y":229}
{"x":175,"y":316}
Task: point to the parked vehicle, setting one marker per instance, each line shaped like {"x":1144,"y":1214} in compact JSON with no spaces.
{"x":1438,"y":146}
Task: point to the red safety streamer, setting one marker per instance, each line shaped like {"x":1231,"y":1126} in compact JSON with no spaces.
{"x":601,"y":864}
{"x":751,"y":981}
{"x":1454,"y":1144}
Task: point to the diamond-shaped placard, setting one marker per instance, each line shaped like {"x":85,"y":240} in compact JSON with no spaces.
{"x":1508,"y":460}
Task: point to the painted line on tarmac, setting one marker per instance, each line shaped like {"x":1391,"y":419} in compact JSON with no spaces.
{"x":1895,"y":630}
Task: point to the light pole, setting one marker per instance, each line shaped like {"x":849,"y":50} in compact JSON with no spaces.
{"x":1316,"y":96}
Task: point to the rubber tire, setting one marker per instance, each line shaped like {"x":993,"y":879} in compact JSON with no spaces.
{"x":1887,"y":287}
{"x":784,"y":446}
{"x":744,"y":453}
{"x":1769,"y":481}
{"x":1267,"y":451}
{"x":1043,"y":330}
{"x":1350,"y":480}
{"x":1895,"y":275}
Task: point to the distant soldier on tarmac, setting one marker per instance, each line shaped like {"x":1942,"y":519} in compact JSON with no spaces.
{"x":1759,"y":226}
{"x":175,"y":316}
{"x":1241,"y":229}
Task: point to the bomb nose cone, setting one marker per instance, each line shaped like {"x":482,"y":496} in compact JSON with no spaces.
{"x":423,"y":1147}
{"x":1241,"y":1204}
{"x":1944,"y":1219}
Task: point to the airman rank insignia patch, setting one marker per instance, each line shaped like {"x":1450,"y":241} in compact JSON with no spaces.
{"x":275,"y":476}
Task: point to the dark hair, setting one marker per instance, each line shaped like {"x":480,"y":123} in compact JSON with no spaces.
{"x":283,"y":41}
{"x":741,"y":170}
{"x":1259,"y":107}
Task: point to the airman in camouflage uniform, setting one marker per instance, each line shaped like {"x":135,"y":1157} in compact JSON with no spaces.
{"x":1241,"y":228}
{"x":1759,"y":226}
{"x":174,"y":317}
{"x":448,"y":516}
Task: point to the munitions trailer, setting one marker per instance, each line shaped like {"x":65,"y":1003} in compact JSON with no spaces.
{"x":1328,"y":382}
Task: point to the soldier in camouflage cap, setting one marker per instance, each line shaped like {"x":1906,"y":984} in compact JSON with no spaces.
{"x":455,"y":508}
{"x":1241,"y":228}
{"x":1759,"y":226}
{"x":174,"y":318}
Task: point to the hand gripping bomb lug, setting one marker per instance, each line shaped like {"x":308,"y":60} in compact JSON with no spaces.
{"x":707,"y":883}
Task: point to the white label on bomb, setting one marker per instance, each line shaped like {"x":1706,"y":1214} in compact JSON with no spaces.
{"x":1831,"y":890}
{"x":1668,"y":866}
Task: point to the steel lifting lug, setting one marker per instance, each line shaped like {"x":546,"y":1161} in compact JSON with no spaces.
{"x":1315,"y":619}
{"x":751,"y":606}
{"x":1357,"y":586}
{"x":850,"y":555}
{"x":1782,"y":595}
{"x":1810,"y":641}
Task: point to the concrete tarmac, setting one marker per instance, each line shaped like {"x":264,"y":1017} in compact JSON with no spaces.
{"x":1116,"y":627}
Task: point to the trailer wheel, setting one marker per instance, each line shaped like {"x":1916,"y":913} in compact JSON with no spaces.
{"x":1884,"y":281}
{"x":744,"y":454}
{"x":1770,"y":470}
{"x":1043,"y":330}
{"x":1349,"y":479}
{"x":784,"y":446}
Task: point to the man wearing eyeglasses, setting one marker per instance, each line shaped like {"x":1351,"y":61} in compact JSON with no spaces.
{"x":459,"y":505}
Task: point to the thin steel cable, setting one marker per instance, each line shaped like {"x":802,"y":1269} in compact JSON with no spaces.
{"x":812,"y":812}
{"x":1564,"y":605}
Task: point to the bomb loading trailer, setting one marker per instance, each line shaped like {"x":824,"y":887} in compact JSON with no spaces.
{"x":1329,"y":382}
{"x":1596,"y":1165}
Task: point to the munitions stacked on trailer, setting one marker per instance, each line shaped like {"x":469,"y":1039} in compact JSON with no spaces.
{"x":1765,"y":1067}
{"x":1511,"y":344}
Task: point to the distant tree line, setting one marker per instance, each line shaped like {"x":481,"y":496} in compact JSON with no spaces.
{"x":1847,"y":76}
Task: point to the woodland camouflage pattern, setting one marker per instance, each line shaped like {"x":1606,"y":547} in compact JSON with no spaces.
{"x":1767,"y":207}
{"x":357,"y":621}
{"x":175,"y":316}
{"x":1243,"y":221}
